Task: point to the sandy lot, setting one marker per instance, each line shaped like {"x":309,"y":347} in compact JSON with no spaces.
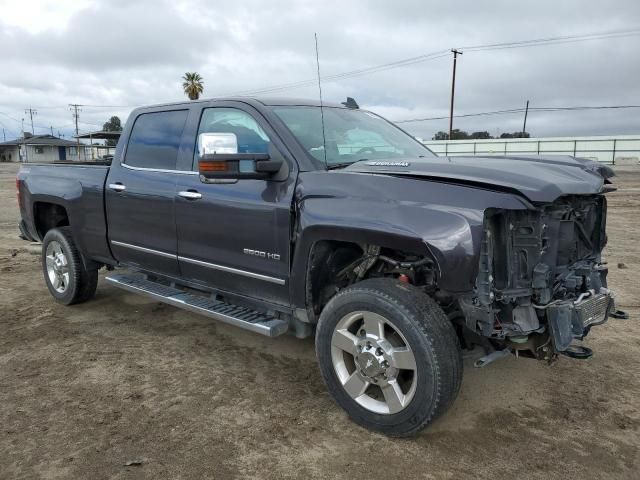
{"x":86,"y":389}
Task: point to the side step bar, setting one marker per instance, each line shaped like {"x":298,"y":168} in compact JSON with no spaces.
{"x":225,"y":312}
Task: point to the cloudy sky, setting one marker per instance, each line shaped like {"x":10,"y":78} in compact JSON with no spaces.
{"x":112,"y":55}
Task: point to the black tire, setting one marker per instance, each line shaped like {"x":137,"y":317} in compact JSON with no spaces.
{"x":82,"y":282}
{"x":429,"y":334}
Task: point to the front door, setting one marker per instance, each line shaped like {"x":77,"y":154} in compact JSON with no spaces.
{"x":236,"y":236}
{"x":140,"y":194}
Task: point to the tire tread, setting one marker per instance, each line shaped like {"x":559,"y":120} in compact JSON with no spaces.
{"x":433,"y":324}
{"x":86,"y":280}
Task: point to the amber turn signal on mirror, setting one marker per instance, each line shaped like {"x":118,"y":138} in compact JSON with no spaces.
{"x":212,"y":166}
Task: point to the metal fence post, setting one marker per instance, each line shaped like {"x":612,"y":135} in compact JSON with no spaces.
{"x":613,"y":158}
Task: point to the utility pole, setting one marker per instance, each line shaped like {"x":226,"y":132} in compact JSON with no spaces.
{"x":456,"y":52}
{"x":524,"y":127}
{"x":51,"y":127}
{"x":31,"y":113}
{"x":24,"y":144}
{"x":4,"y":135}
{"x":76,"y":108}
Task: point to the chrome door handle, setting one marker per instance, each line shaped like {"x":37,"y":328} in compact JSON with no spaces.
{"x":118,"y":187}
{"x":190,"y":195}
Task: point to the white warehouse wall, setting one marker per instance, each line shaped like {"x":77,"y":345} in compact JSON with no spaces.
{"x":614,"y":149}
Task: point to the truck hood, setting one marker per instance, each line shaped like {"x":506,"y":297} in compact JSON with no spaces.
{"x":538,"y":178}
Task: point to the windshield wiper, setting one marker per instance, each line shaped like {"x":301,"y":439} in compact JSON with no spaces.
{"x":334,"y":166}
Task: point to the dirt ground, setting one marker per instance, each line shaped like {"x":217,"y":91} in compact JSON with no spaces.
{"x":86,"y":389}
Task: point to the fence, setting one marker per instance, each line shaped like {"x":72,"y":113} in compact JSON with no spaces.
{"x":611,"y":150}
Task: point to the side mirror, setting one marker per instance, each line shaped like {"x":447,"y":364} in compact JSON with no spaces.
{"x":219,"y":159}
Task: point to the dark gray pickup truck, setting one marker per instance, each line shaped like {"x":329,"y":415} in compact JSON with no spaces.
{"x":282,"y":215}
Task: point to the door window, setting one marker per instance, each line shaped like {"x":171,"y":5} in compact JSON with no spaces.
{"x":249,"y":134}
{"x":155,"y":140}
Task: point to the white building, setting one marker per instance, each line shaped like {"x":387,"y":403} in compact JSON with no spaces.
{"x":612,"y":149}
{"x":42,"y":148}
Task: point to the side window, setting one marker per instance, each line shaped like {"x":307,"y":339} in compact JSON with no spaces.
{"x":155,"y":140}
{"x":250,"y":136}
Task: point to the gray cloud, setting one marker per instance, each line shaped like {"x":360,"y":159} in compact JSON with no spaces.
{"x":121,"y":52}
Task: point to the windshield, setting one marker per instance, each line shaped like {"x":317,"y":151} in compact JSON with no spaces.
{"x":350,"y":135}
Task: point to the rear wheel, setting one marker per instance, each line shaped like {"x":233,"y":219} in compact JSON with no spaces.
{"x":66,"y":276}
{"x":389,"y":356}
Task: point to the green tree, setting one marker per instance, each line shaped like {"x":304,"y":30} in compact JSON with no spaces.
{"x":481,"y":135}
{"x":193,"y":85}
{"x":516,"y":135}
{"x":112,"y":125}
{"x":441,"y":136}
{"x":456,"y":134}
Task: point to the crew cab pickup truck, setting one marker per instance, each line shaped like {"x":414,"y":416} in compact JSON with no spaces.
{"x":288,"y":216}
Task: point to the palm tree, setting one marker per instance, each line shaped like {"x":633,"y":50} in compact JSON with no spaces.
{"x":192,"y":85}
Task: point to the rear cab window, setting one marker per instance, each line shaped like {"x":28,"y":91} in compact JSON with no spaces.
{"x":155,"y":140}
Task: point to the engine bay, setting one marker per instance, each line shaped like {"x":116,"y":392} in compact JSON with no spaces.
{"x":541,"y":281}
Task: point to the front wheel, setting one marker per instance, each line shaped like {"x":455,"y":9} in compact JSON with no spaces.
{"x":66,"y":276}
{"x":389,"y":356}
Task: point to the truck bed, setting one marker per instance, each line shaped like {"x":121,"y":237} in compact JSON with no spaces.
{"x":76,"y":187}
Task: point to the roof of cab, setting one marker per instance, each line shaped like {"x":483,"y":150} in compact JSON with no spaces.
{"x":270,"y":102}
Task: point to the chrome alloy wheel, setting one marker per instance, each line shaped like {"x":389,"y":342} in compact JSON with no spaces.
{"x":57,"y":267}
{"x":374,"y":362}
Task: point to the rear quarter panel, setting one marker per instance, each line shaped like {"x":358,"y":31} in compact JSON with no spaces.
{"x":79,"y":189}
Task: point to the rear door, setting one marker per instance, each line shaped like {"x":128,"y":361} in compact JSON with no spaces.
{"x":237,"y":236}
{"x":140,"y":194}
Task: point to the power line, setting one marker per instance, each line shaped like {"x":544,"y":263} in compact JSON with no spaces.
{"x":521,"y":110}
{"x":53,"y":107}
{"x":443,"y":53}
{"x":111,"y":106}
{"x":561,"y":39}
{"x":349,"y":74}
{"x":554,"y":40}
{"x":407,"y":62}
{"x":20,"y":121}
{"x":543,"y":41}
{"x":496,"y":112}
{"x":10,"y":117}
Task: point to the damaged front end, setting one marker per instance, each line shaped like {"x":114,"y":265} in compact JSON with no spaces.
{"x":541,"y":283}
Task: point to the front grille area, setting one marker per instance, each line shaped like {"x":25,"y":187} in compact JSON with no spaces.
{"x":549,"y":255}
{"x":593,"y":310}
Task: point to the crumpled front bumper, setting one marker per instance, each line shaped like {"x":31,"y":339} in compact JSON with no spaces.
{"x":572,"y":320}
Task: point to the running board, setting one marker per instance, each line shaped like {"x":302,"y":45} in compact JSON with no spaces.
{"x":225,"y":312}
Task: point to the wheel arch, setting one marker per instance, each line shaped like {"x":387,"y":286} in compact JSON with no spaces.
{"x":323,"y":251}
{"x":48,"y":215}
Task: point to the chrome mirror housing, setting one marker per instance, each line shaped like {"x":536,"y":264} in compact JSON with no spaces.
{"x":217,"y":143}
